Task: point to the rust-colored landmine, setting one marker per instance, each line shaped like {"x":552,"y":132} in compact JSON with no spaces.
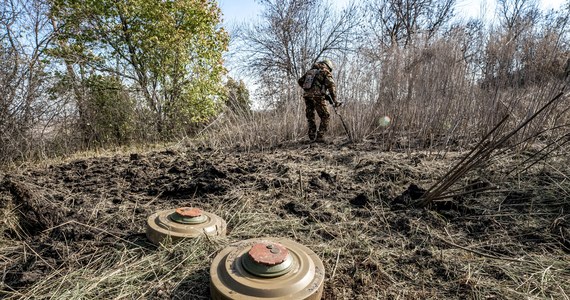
{"x":183,"y":222}
{"x":270,"y":268}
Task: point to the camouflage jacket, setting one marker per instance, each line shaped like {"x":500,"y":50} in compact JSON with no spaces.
{"x":320,"y":83}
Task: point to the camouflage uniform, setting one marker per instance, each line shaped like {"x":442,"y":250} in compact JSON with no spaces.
{"x":315,"y":99}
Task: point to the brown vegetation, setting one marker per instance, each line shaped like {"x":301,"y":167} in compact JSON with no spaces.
{"x":464,"y":195}
{"x":76,"y":229}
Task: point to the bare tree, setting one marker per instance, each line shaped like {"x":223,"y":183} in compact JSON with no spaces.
{"x":527,"y":46}
{"x":515,"y":14}
{"x":396,"y":22}
{"x":24,"y":37}
{"x":291,"y":37}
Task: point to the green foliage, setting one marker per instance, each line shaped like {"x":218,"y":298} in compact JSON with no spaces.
{"x":171,"y":51}
{"x":110,"y":110}
{"x":237,"y":96}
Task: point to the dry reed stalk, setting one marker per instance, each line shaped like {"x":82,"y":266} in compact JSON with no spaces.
{"x":477,"y":156}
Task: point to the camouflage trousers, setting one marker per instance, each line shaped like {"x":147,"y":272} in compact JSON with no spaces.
{"x":318,"y":104}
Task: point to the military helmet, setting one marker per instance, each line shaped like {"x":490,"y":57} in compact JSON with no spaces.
{"x":328,"y":63}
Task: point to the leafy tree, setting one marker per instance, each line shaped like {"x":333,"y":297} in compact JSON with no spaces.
{"x":169,"y":51}
{"x":237,"y":95}
{"x":111,"y":110}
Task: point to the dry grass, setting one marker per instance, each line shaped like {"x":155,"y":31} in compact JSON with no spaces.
{"x":254,"y":170}
{"x":124,"y":272}
{"x":505,"y":244}
{"x":433,"y":97}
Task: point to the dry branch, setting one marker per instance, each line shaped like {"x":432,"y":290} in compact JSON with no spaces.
{"x":479,"y":155}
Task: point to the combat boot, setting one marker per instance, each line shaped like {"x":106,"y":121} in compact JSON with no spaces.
{"x":312,"y":136}
{"x":320,"y":139}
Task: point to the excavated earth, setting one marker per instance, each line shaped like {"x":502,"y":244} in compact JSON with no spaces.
{"x":351,"y":204}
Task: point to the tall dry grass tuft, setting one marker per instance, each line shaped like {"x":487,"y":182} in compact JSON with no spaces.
{"x":432,"y":95}
{"x":123,"y":271}
{"x":255,"y":129}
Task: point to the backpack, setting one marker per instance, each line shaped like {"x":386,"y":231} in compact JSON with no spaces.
{"x":310,"y":78}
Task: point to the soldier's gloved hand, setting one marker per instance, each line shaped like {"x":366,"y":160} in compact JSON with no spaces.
{"x":337,"y":104}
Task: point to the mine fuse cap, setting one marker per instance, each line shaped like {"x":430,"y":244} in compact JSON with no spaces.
{"x":183,"y":222}
{"x":269,"y":268}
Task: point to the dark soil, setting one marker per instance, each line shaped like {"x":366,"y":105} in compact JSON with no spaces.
{"x":351,"y":204}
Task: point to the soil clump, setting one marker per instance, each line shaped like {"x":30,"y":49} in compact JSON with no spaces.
{"x":350,"y":204}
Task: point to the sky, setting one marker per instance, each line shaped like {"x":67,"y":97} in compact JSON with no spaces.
{"x":236,"y":11}
{"x":239,"y":10}
{"x":476,"y":8}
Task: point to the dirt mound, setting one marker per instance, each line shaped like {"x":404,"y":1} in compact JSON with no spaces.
{"x":77,"y":229}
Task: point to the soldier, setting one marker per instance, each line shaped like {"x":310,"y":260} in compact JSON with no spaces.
{"x":317,"y":83}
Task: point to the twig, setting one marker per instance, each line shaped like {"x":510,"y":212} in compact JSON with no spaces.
{"x":153,"y":199}
{"x":336,"y":263}
{"x":301,"y":184}
{"x":507,"y":215}
{"x":92,"y":227}
{"x":39,"y":256}
{"x":477,"y":156}
{"x":554,"y":145}
{"x":483,"y":254}
{"x":479,"y":190}
{"x":466,"y":163}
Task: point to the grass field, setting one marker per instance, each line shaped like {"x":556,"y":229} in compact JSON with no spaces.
{"x":75,"y":229}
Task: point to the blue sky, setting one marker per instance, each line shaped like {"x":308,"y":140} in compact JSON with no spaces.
{"x":245,"y":10}
{"x":239,"y":10}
